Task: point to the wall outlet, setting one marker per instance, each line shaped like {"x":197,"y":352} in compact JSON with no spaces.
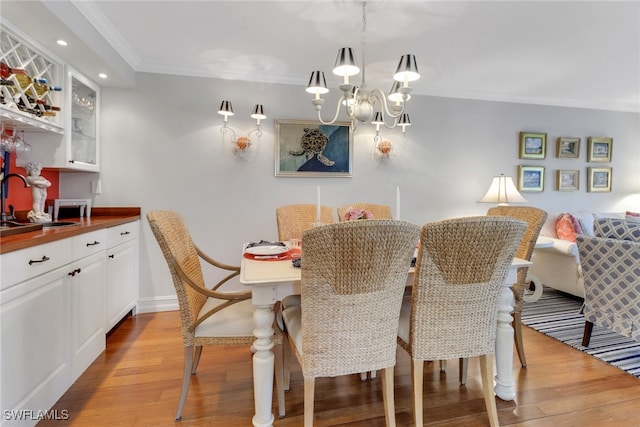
{"x":96,"y":187}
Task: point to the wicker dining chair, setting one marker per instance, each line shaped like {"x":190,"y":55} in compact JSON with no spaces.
{"x":352,"y":281}
{"x":209,"y":316}
{"x":453,"y":307}
{"x":378,"y":211}
{"x":292,"y":220}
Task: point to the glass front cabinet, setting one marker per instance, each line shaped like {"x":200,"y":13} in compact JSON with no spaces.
{"x":83,"y":103}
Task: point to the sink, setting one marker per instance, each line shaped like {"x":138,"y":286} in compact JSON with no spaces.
{"x":9,"y":228}
{"x":58,"y":224}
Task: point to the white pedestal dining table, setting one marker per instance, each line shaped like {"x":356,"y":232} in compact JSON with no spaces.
{"x":270,"y":281}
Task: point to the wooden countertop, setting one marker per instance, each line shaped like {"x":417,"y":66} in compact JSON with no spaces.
{"x":100,"y":218}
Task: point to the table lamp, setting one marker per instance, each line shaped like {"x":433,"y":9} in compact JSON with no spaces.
{"x":502,"y":191}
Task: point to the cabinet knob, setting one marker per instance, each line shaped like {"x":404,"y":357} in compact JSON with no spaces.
{"x":112,"y":256}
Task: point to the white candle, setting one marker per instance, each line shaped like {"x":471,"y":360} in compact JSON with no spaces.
{"x":318,"y":205}
{"x":398,"y":202}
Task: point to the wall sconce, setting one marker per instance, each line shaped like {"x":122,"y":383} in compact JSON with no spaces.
{"x":502,"y":191}
{"x":383,"y":150}
{"x":243,"y":147}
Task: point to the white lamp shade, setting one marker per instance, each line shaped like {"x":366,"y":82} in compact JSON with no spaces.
{"x":317,"y":83}
{"x":407,"y":70}
{"x":258,"y":112}
{"x":502,"y":191}
{"x":225,"y":108}
{"x":394,"y":93}
{"x":345,"y":63}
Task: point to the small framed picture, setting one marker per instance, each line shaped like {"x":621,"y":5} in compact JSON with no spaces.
{"x":568,"y":180}
{"x":533,"y":145}
{"x":599,"y":149}
{"x":531,"y":178}
{"x":568,"y":148}
{"x":598,"y":180}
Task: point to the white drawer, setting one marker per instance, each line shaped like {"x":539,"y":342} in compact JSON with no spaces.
{"x":89,"y":243}
{"x":122,"y":233}
{"x":26,"y":263}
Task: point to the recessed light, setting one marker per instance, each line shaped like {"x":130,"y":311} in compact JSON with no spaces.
{"x":102,"y":75}
{"x":61,"y":42}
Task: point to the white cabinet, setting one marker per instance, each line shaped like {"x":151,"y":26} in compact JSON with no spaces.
{"x":79,"y":148}
{"x":86,"y":278}
{"x":51,"y":319}
{"x":122,"y":271}
{"x":35,"y":361}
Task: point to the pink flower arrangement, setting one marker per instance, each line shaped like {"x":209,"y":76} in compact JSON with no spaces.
{"x":353,"y":214}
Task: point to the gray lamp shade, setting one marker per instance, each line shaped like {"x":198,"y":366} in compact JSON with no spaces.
{"x":394,"y":93}
{"x":404,"y":120}
{"x":345,"y":63}
{"x":258,"y":112}
{"x":407,"y":69}
{"x":225,"y":108}
{"x":317,"y":83}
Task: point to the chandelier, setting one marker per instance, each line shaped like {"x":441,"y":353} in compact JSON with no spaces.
{"x":359,"y":102}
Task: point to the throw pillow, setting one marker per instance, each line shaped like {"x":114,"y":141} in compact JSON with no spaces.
{"x":612,"y":228}
{"x":585,"y":219}
{"x":564,"y":227}
{"x":632,"y":216}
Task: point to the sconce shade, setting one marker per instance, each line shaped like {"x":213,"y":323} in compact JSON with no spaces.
{"x":345,"y":63}
{"x":377,"y":119}
{"x":407,"y":70}
{"x":502,"y":191}
{"x":394,"y":93}
{"x":404,"y":120}
{"x":225,"y":109}
{"x":258,"y":112}
{"x":317,"y":83}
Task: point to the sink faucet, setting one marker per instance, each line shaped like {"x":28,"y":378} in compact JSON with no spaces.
{"x":2,"y":183}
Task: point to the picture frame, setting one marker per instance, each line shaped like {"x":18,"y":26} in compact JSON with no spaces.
{"x":531,"y":178}
{"x":533,"y":145}
{"x":568,"y":148}
{"x":308,"y":148}
{"x":599,"y":149}
{"x":599,"y":180}
{"x":567,"y":180}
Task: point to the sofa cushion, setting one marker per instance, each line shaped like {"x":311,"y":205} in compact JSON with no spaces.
{"x":612,"y":228}
{"x":565,"y":227}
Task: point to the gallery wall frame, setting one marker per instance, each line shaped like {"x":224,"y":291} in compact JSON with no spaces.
{"x":599,"y":149}
{"x":599,"y":180}
{"x":567,"y":180}
{"x":568,"y":147}
{"x":307,"y":148}
{"x":533,"y":145}
{"x":531,"y":178}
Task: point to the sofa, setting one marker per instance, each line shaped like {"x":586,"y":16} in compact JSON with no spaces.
{"x":557,"y":265}
{"x":611,"y":266}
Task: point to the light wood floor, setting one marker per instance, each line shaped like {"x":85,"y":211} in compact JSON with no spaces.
{"x":136,"y":382}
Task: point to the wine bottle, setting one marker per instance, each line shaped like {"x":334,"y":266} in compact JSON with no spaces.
{"x":6,"y":71}
{"x":41,"y":89}
{"x":24,"y":80}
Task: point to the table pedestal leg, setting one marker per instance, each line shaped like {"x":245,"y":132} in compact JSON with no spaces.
{"x":504,"y":387}
{"x":263,"y":365}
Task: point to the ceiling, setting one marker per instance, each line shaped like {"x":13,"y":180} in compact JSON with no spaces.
{"x":567,"y":53}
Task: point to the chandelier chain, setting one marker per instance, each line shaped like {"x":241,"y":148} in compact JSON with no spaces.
{"x":364,"y":37}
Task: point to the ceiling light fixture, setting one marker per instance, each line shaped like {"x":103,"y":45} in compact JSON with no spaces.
{"x":359,"y":102}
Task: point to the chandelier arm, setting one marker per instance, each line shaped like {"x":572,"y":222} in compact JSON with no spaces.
{"x":378,"y":95}
{"x":342,"y":98}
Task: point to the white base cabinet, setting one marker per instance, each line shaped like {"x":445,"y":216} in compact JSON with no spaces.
{"x":122,"y":271}
{"x":56,"y":306}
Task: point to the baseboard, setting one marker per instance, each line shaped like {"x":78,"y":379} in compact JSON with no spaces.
{"x":155,"y":304}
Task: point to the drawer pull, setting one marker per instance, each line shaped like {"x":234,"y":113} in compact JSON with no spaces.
{"x":95,"y":242}
{"x":44,"y":258}
{"x":74,"y":272}
{"x":124,"y":233}
{"x":112,"y":256}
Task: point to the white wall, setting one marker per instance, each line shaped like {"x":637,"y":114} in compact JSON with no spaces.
{"x":161,"y":149}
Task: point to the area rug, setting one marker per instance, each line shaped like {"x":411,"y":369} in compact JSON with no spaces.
{"x":557,"y":315}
